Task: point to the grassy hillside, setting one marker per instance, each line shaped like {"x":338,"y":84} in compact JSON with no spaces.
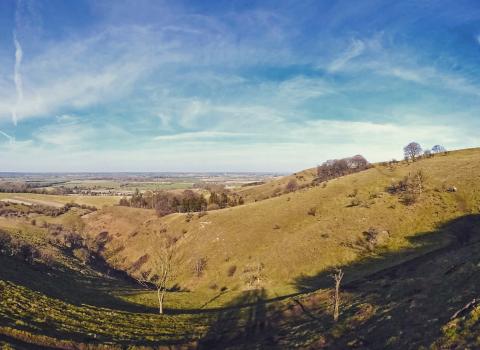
{"x":401,"y":293}
{"x":276,"y":187}
{"x":279,"y":235}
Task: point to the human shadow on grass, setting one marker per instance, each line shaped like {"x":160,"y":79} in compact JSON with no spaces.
{"x":243,"y":318}
{"x":411,"y":290}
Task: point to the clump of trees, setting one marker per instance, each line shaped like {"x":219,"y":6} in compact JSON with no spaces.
{"x":223,"y":200}
{"x":165,"y":202}
{"x":413,"y":151}
{"x":188,"y":201}
{"x":334,"y":168}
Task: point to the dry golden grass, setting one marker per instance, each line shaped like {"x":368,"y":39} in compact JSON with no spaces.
{"x":58,"y":201}
{"x":279,"y":233}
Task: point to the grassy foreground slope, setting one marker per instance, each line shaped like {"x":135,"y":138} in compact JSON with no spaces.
{"x":290,"y":245}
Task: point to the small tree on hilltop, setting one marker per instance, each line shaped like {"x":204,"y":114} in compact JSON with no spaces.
{"x":412,"y":151}
{"x":438,"y":149}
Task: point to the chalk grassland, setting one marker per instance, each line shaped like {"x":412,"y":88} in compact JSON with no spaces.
{"x":280,"y":235}
{"x":402,"y":294}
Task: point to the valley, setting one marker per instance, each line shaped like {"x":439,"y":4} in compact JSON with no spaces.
{"x":255,"y":275}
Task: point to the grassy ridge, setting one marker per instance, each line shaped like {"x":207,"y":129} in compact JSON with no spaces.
{"x":279,"y":233}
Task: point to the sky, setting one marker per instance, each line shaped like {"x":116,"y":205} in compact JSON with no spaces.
{"x":233,"y":85}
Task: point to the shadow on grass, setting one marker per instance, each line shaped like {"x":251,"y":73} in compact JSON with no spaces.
{"x":245,"y":319}
{"x":69,"y":285}
{"x":400,"y":305}
{"x":426,"y":245}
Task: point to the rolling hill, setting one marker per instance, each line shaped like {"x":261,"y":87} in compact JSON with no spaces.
{"x":411,"y":268}
{"x":281,"y":236}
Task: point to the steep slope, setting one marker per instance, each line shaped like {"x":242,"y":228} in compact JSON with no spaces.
{"x":431,"y":301}
{"x":276,"y":187}
{"x":279,"y":239}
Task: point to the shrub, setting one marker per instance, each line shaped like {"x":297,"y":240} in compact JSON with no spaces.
{"x":188,"y":217}
{"x":291,"y":186}
{"x":354,"y":193}
{"x":409,"y":198}
{"x":199,"y":266}
{"x":355,"y":202}
{"x":82,"y":254}
{"x":27,"y":252}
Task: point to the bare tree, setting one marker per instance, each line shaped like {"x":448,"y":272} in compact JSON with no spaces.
{"x":199,"y":266}
{"x":337,"y":277}
{"x":164,"y":260}
{"x":438,"y":149}
{"x":412,"y":151}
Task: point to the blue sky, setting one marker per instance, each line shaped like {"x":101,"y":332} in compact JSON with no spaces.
{"x":233,"y":85}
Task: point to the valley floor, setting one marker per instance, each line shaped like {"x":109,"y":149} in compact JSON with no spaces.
{"x":408,"y":306}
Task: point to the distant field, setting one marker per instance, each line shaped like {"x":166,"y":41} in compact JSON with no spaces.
{"x":56,"y":200}
{"x":130,"y":185}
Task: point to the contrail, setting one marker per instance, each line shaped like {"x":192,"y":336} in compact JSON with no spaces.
{"x":17,"y":77}
{"x":10,"y":138}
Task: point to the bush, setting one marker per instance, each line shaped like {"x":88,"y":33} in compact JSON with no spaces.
{"x":82,"y":254}
{"x":188,"y":217}
{"x":28,"y":252}
{"x":355,"y":202}
{"x":292,"y":186}
{"x":199,"y":266}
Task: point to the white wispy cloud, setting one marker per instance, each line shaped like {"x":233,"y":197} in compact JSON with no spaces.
{"x":9,"y":138}
{"x":356,"y":48}
{"x":200,"y":135}
{"x":17,"y":77}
